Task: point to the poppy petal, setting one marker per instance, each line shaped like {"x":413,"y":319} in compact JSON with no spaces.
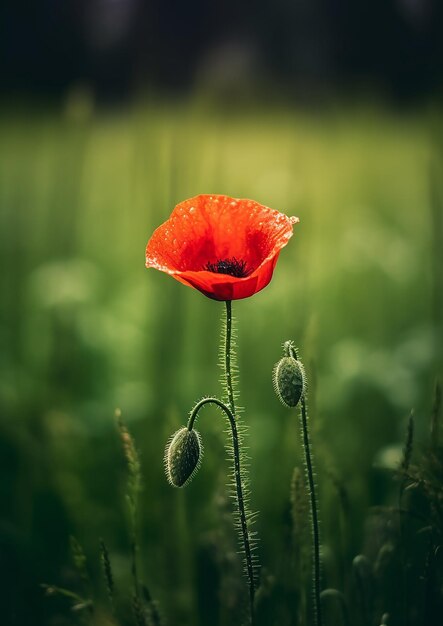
{"x":209,"y":231}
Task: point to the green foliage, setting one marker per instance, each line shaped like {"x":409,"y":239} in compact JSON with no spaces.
{"x":107,"y":572}
{"x":134,"y":482}
{"x":84,"y":328}
{"x":144,"y":608}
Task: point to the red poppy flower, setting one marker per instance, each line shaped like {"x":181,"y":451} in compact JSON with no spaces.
{"x":224,"y":247}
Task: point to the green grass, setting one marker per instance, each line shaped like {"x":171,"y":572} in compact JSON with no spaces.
{"x":85,"y":329}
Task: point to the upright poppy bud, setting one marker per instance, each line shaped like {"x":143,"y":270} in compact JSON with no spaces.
{"x":183,"y":456}
{"x":289,"y":377}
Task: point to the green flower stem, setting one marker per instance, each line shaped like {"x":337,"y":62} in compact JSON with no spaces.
{"x":238,"y":487}
{"x":291,"y":351}
{"x":314,"y":512}
{"x":227,"y":357}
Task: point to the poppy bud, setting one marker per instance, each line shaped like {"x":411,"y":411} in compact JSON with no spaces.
{"x":289,"y":381}
{"x":183,"y":456}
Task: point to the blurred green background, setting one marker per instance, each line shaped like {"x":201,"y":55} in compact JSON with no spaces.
{"x":85,"y":329}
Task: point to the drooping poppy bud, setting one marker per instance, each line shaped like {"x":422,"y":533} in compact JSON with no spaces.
{"x":183,"y":456}
{"x":289,"y":381}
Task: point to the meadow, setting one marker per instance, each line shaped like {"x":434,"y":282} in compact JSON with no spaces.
{"x":86,"y":329}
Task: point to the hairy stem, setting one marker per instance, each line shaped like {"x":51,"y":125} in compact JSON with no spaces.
{"x":238,"y":488}
{"x":227,"y":358}
{"x":314,"y":512}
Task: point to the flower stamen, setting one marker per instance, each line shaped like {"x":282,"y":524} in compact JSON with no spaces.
{"x":233,"y":267}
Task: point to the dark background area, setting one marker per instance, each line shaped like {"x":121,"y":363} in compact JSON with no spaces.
{"x":119,"y":47}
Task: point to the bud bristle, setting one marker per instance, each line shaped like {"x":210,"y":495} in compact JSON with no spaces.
{"x":183,"y":455}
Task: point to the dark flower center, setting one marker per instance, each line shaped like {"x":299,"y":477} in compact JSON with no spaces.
{"x":233,"y":267}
